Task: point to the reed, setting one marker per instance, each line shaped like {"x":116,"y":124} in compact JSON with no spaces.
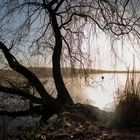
{"x":127,"y":112}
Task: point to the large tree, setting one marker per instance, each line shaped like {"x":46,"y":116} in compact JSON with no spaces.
{"x":59,"y":26}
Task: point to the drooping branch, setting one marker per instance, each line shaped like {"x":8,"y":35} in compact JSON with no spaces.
{"x":83,"y":15}
{"x":15,"y":65}
{"x":22,"y":93}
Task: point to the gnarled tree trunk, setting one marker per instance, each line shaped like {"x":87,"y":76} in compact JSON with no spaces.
{"x":63,"y":95}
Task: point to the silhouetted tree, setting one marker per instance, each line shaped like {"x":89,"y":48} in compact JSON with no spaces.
{"x":59,"y":25}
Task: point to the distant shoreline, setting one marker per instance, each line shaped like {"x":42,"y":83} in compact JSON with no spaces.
{"x":66,"y":72}
{"x":116,"y":71}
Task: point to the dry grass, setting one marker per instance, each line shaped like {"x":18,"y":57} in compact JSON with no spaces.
{"x":127,"y":111}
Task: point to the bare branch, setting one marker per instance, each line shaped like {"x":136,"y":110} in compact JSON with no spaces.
{"x":83,"y":16}
{"x":22,"y":93}
{"x":58,"y":5}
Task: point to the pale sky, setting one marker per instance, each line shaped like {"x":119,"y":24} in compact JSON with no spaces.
{"x":119,"y":57}
{"x":102,"y":55}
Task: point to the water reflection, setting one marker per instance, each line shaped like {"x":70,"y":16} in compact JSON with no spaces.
{"x":101,"y":90}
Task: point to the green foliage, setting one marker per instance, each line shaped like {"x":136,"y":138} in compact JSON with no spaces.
{"x":127,"y":113}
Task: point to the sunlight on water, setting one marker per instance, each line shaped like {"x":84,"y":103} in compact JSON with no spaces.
{"x":101,"y":93}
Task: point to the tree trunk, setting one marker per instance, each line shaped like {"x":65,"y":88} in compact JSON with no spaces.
{"x":63,"y":95}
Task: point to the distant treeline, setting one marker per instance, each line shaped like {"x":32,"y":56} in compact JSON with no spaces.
{"x":67,"y":71}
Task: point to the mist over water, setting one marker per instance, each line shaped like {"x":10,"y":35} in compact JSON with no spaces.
{"x":101,"y":90}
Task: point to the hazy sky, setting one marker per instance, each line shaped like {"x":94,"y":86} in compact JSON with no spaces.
{"x":120,"y":56}
{"x":103,"y":56}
